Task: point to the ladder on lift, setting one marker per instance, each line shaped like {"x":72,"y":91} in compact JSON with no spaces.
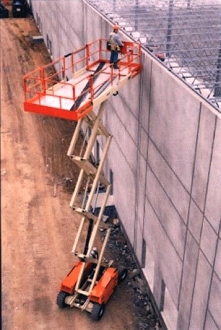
{"x":76,"y":87}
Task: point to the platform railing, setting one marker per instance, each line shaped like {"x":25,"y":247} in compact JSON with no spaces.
{"x":51,"y":79}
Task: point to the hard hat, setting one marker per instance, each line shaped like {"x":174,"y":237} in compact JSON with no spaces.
{"x":115,"y":27}
{"x":94,"y":249}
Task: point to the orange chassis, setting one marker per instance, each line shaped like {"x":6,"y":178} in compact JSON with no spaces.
{"x":107,"y":280}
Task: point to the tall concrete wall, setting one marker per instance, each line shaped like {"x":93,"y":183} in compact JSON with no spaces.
{"x":166,"y":164}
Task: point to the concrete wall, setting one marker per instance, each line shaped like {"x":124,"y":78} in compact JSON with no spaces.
{"x":166,"y":163}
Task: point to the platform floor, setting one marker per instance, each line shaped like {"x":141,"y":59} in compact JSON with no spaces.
{"x":61,"y":95}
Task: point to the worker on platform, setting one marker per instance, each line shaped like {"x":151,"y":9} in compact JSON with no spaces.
{"x":115,"y":46}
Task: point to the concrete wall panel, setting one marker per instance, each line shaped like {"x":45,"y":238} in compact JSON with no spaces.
{"x":174,"y":189}
{"x":215,"y":300}
{"x":201,"y":292}
{"x":124,"y":199}
{"x":210,"y":324}
{"x":91,"y":21}
{"x":208,"y":241}
{"x":151,"y":235}
{"x":174,"y":111}
{"x":131,"y":96}
{"x":145,"y":88}
{"x":143,"y":142}
{"x":217,"y":267}
{"x":161,"y":248}
{"x":168,"y":216}
{"x":139,"y":242}
{"x":141,"y":188}
{"x":157,"y":288}
{"x":65,"y":31}
{"x":187,"y":288}
{"x":124,"y":129}
{"x":203,"y":155}
{"x":195,"y":221}
{"x":213,"y":202}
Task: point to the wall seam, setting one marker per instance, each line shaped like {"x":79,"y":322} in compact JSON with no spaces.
{"x":204,"y":208}
{"x":217,"y":240}
{"x":138,"y":165}
{"x":163,"y":228}
{"x":183,"y":221}
{"x":188,"y":212}
{"x":148,"y":142}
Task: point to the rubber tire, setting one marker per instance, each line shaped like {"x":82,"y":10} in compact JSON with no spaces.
{"x":61,"y":299}
{"x":97,"y":311}
{"x":122,"y":271}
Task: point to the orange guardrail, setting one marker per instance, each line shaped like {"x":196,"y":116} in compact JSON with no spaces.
{"x":57,"y":75}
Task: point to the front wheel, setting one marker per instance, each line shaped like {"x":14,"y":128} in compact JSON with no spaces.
{"x":61,"y":299}
{"x":97,"y":312}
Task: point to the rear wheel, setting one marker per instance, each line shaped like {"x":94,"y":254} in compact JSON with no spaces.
{"x":97,"y":312}
{"x":122,"y":274}
{"x":61,"y":299}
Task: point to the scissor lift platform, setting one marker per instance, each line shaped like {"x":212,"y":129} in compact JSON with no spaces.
{"x":71,"y":88}
{"x":73,"y":85}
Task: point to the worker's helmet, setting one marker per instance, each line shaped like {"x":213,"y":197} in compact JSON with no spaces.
{"x":116,"y":27}
{"x":94,"y":249}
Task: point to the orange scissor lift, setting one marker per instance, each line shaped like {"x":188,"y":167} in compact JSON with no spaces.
{"x":76,"y":87}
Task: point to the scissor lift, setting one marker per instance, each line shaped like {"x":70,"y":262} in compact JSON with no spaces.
{"x":76,"y":87}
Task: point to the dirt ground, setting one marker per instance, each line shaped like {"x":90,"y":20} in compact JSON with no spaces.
{"x":37,"y":225}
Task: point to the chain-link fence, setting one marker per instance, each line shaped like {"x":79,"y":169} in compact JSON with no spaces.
{"x":184,"y":34}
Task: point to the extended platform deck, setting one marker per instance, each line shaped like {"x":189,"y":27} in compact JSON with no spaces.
{"x":78,"y":82}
